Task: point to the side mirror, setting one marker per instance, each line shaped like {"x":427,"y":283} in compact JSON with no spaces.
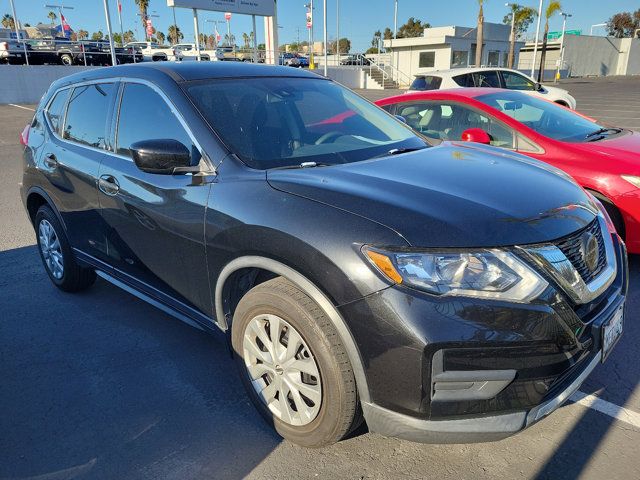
{"x":162,"y":156}
{"x":539,"y":87}
{"x":476,"y":135}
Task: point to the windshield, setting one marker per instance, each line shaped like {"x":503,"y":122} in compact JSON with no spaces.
{"x":544,"y":117}
{"x":272,"y":122}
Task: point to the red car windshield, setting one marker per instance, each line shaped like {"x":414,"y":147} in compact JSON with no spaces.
{"x":546,"y":118}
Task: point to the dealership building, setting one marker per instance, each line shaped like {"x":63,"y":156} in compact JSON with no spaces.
{"x":442,"y":48}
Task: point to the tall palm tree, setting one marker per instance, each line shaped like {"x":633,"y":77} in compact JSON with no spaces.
{"x":174,"y":34}
{"x":83,"y":34}
{"x":245,"y":39}
{"x":521,"y":16}
{"x":143,"y":6}
{"x":480,"y":34}
{"x":7,"y":21}
{"x":52,"y":16}
{"x":553,"y":8}
{"x":160,"y":36}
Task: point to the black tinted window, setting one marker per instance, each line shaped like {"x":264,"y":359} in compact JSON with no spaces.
{"x":464,"y":80}
{"x":87,"y":114}
{"x":428,"y":82}
{"x":427,"y":59}
{"x":144,"y":115}
{"x":486,"y":79}
{"x":56,"y":109}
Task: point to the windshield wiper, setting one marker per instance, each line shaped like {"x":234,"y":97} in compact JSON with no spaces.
{"x":303,"y":165}
{"x":602,"y":131}
{"x":397,"y":151}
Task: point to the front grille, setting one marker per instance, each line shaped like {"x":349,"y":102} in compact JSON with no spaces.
{"x":573,"y":249}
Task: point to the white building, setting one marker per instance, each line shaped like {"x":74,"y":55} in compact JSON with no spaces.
{"x":442,"y":48}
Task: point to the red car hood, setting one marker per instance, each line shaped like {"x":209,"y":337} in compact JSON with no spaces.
{"x":624,"y":149}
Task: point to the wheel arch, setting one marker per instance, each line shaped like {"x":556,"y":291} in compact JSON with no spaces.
{"x":276,"y":268}
{"x":36,"y":197}
{"x":612,"y":209}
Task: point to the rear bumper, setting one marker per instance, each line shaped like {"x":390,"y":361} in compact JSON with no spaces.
{"x":468,"y":430}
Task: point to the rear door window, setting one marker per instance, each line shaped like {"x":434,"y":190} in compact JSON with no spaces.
{"x":487,"y":78}
{"x":55,"y":110}
{"x":428,"y":82}
{"x":87,"y":114}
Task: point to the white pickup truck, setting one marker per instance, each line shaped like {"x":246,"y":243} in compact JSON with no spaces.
{"x":187,"y":51}
{"x":153,"y":52}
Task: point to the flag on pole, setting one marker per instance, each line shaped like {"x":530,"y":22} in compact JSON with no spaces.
{"x":119,"y":7}
{"x":66,"y":28}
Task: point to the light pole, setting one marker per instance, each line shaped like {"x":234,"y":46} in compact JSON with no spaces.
{"x":338,"y":31}
{"x":324,"y":13}
{"x":309,"y":7}
{"x":395,"y":19}
{"x":535,"y":47}
{"x":111,"y":47}
{"x":564,"y":29}
{"x":15,"y":25}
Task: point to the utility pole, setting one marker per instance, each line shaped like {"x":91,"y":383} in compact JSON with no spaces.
{"x":535,"y":47}
{"x":17,"y":28}
{"x":395,"y":19}
{"x":564,"y":29}
{"x":338,"y":31}
{"x":512,"y":36}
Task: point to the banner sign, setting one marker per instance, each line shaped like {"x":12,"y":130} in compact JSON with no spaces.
{"x":264,"y":8}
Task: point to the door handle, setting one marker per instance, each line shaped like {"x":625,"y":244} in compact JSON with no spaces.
{"x":50,"y":160}
{"x":108,"y":185}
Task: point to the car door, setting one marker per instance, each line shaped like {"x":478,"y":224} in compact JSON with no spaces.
{"x":71,"y":156}
{"x":155,"y":222}
{"x":447,"y":120}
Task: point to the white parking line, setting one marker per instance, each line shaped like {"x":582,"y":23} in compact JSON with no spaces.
{"x":20,"y":106}
{"x":619,"y":413}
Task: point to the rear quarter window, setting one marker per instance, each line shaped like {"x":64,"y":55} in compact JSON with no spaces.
{"x":55,"y":109}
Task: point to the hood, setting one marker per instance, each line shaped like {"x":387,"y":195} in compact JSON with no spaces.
{"x":453,"y":195}
{"x":622,"y":152}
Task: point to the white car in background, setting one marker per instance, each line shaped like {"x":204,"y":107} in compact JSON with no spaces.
{"x":187,"y":51}
{"x":153,"y":52}
{"x":490,"y":77}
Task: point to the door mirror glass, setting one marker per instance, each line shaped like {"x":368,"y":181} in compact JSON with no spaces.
{"x":539,"y":87}
{"x":476,"y":135}
{"x":161,"y":156}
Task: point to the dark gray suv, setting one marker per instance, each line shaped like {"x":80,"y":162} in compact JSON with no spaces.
{"x":441,"y":293}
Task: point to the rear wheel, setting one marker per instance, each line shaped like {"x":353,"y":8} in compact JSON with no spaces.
{"x":66,"y":59}
{"x":57,"y":256}
{"x":293,"y":365}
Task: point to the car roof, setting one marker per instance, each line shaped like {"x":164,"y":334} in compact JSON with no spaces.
{"x":187,"y":71}
{"x":462,"y":71}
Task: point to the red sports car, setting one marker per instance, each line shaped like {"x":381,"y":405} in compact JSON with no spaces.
{"x":603,"y":159}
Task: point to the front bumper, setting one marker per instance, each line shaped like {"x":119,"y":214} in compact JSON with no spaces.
{"x":467,"y":430}
{"x":457,"y":370}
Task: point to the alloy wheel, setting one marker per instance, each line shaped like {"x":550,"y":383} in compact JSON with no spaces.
{"x":282,"y":369}
{"x":51,"y":249}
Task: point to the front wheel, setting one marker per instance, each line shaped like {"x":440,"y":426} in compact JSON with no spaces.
{"x":293,"y":365}
{"x":57,"y":256}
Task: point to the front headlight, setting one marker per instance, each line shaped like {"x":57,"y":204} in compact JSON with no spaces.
{"x":483,"y":273}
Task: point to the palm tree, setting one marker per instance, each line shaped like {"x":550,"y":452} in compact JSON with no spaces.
{"x":143,"y":6}
{"x":175,"y":34}
{"x":83,"y":34}
{"x":480,"y":34}
{"x":52,"y":16}
{"x":128,"y":36}
{"x":553,"y":8}
{"x":245,"y":39}
{"x":522,"y":15}
{"x":160,"y":36}
{"x":7,"y":21}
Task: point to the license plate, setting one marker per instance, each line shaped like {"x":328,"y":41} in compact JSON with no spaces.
{"x":611,"y":332}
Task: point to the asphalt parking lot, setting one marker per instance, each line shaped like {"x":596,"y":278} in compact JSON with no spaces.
{"x":101,"y":385}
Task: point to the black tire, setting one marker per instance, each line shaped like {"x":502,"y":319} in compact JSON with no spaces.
{"x":339,"y":411}
{"x":614,"y":213}
{"x":74,"y":278}
{"x":66,"y":59}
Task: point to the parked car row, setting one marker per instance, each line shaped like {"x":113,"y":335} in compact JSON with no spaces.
{"x":362,"y":268}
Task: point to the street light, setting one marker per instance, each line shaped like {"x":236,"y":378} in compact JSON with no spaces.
{"x":535,"y":47}
{"x":564,"y":29}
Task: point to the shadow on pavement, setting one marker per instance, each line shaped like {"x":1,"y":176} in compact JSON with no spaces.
{"x":613,"y":381}
{"x":101,"y":384}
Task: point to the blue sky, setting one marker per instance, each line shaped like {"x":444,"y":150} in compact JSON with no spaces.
{"x":358,"y":18}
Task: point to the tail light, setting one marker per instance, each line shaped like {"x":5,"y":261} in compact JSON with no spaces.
{"x":4,"y":46}
{"x":24,"y":136}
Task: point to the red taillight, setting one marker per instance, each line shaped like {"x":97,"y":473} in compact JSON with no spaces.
{"x":24,"y":136}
